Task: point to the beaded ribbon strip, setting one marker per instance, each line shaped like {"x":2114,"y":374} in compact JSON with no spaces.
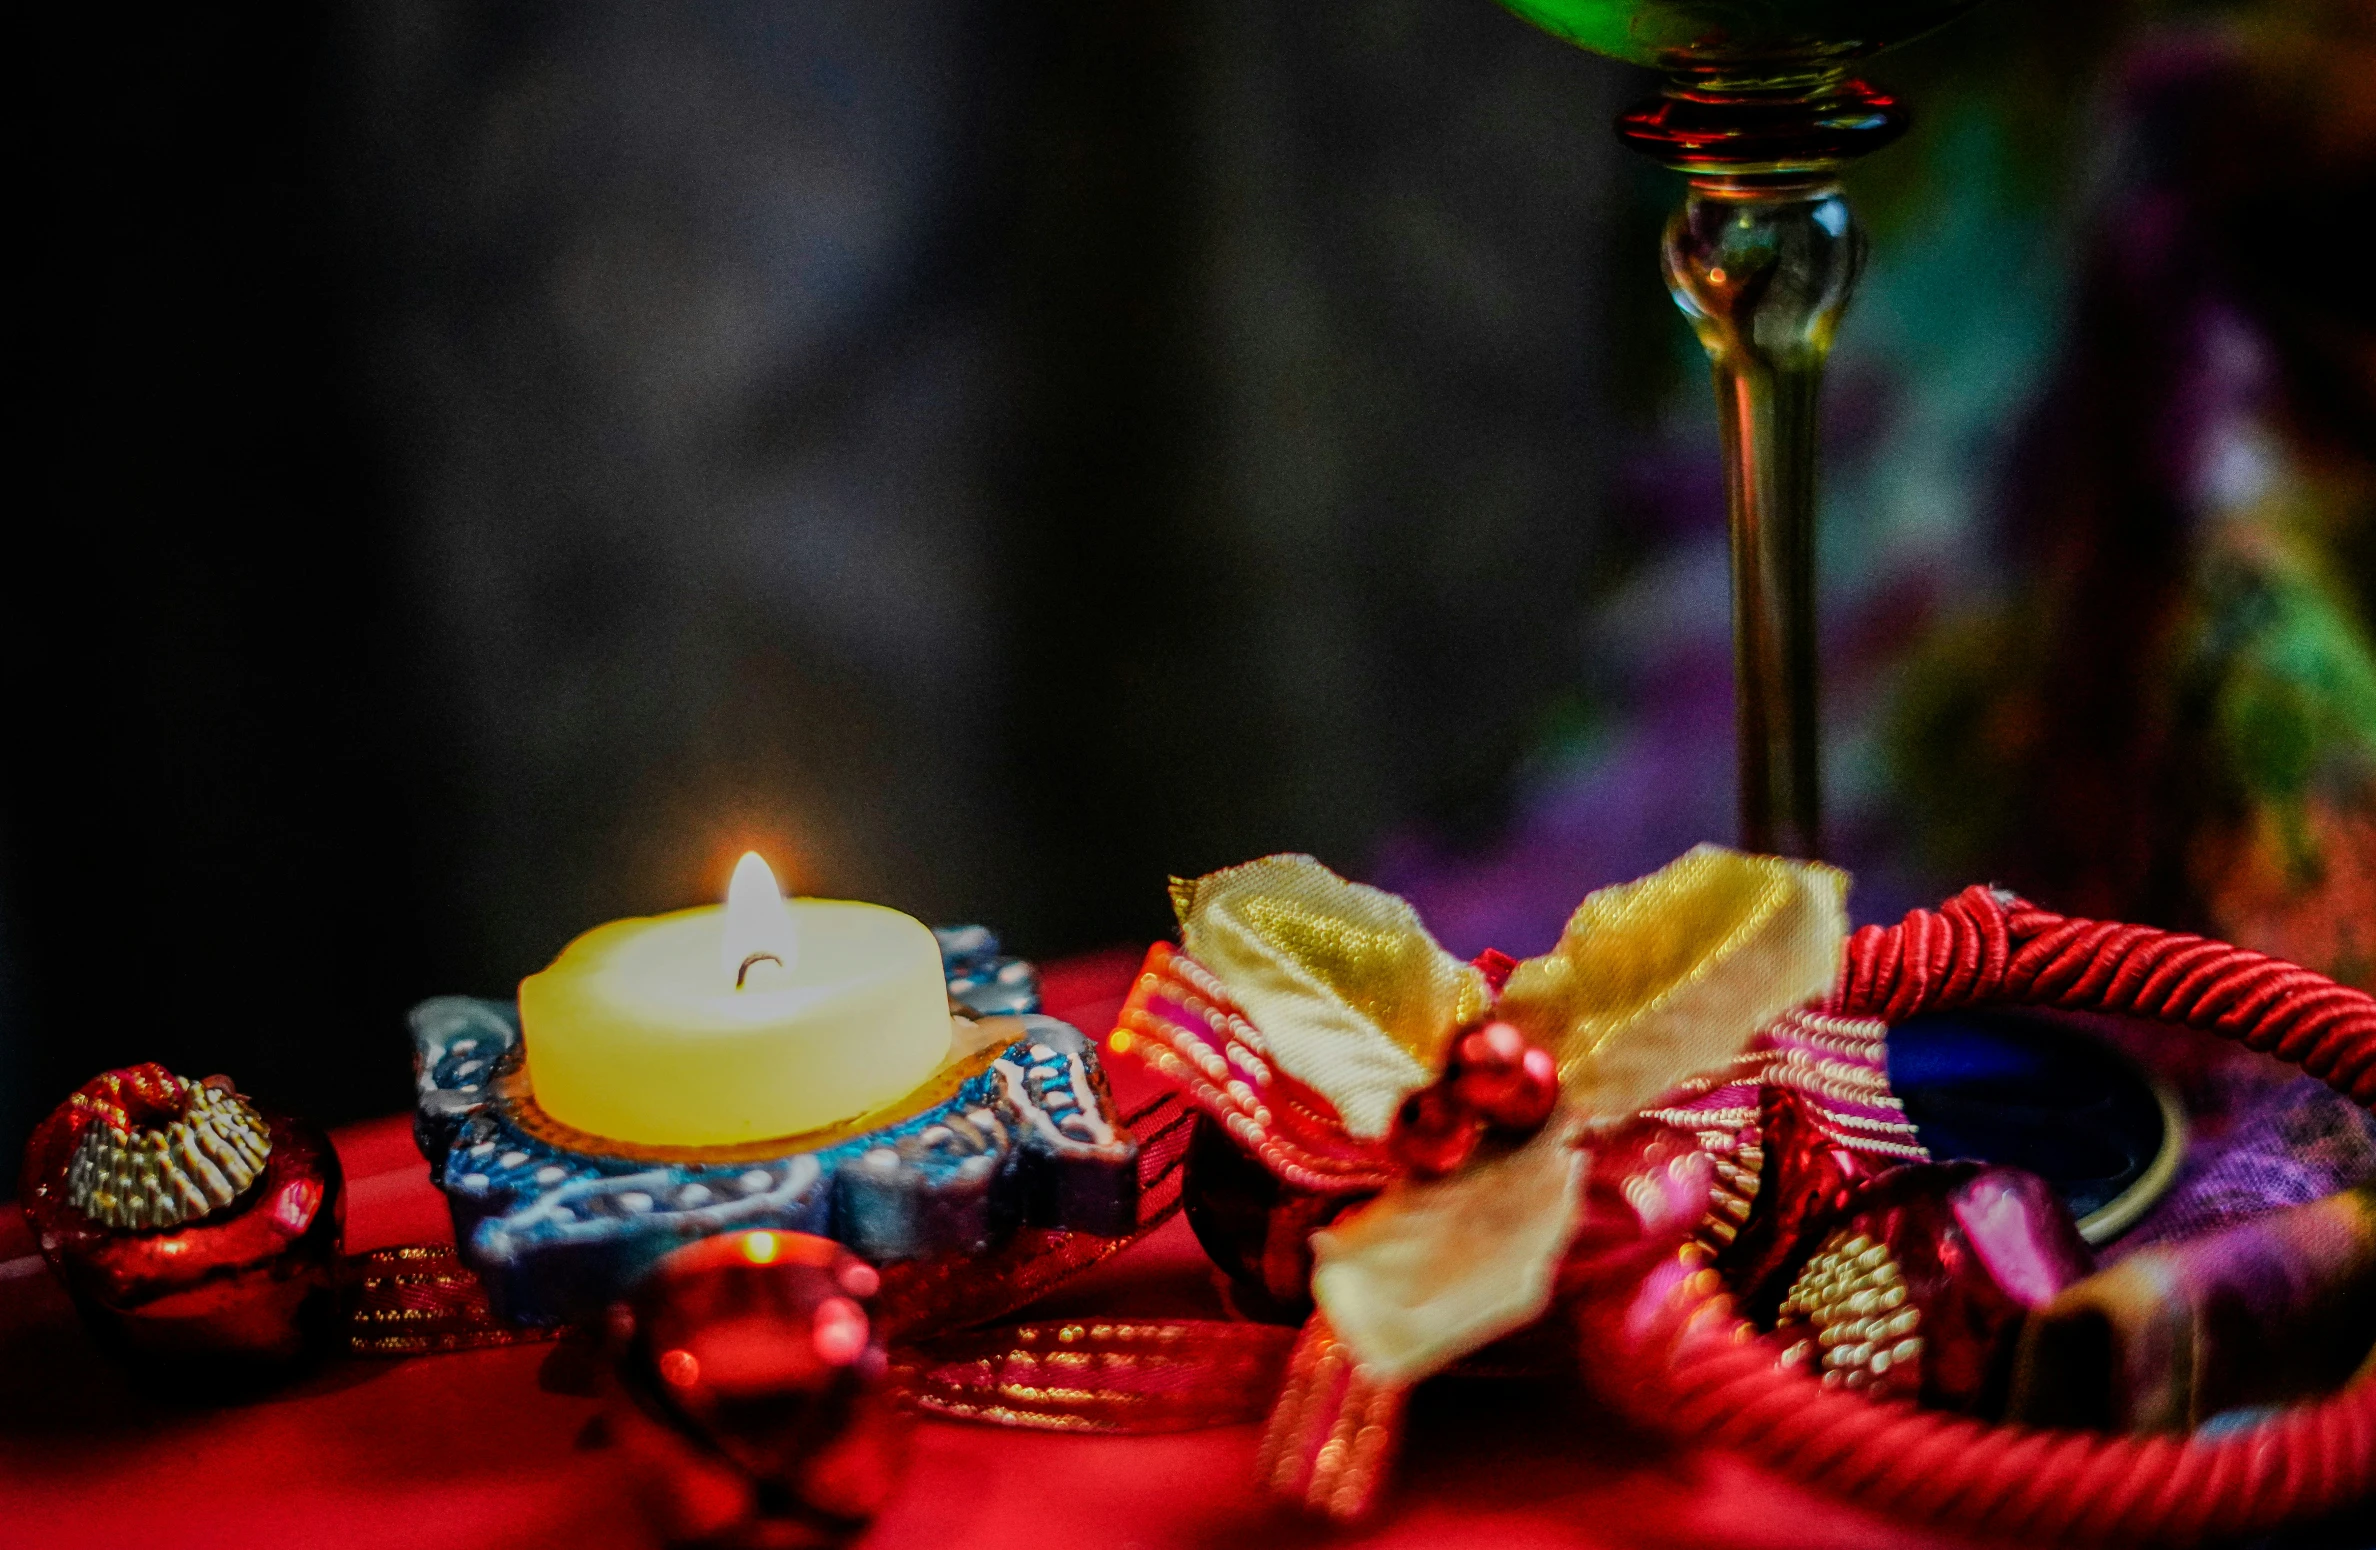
{"x":1183,"y":1024}
{"x":419,"y":1298}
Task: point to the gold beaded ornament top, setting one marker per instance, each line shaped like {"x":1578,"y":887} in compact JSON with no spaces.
{"x":1854,"y":1296}
{"x":137,"y":1177}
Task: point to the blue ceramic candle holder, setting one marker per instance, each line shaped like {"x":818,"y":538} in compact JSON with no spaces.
{"x":1018,"y":1130}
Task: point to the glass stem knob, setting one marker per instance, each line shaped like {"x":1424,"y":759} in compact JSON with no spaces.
{"x":1763,"y":271}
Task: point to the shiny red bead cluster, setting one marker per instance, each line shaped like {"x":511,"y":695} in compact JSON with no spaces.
{"x":1494,"y":1080}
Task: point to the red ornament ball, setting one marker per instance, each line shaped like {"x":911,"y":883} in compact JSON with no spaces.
{"x":762,"y":1349}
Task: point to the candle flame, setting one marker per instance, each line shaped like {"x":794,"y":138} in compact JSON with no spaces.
{"x":759,"y":938}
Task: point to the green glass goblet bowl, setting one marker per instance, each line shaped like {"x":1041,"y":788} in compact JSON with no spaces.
{"x":1741,"y":41}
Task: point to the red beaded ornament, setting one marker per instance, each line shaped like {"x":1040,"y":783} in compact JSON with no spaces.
{"x":187,"y":1224}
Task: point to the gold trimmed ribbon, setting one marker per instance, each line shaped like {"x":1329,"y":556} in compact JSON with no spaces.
{"x":1115,"y":1375}
{"x":417,"y":1299}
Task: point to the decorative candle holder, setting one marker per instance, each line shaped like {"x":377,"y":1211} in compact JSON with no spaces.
{"x":1017,"y":1129}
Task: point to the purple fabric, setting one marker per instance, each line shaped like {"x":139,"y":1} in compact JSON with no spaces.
{"x":2264,"y":1138}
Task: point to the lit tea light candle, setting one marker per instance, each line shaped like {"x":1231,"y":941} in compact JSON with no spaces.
{"x":767,"y":1017}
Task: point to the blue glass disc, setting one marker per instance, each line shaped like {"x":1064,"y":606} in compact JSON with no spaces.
{"x":2027,"y":1090}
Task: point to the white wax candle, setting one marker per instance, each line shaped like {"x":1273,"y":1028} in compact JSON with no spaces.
{"x":640,"y":1032}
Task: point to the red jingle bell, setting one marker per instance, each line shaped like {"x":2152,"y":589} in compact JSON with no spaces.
{"x":186,"y":1223}
{"x":757,"y":1366}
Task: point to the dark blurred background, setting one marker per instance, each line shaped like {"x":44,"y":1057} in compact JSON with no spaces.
{"x":491,"y":464}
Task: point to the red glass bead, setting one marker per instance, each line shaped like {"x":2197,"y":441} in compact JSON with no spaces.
{"x":761,"y":1349}
{"x":1512,"y":1083}
{"x":1494,"y":1047}
{"x":1434,"y":1132}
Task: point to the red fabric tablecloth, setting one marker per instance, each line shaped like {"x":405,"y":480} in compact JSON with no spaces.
{"x":468,"y":1450}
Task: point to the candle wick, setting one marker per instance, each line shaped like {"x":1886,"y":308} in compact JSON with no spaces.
{"x":744,"y":972}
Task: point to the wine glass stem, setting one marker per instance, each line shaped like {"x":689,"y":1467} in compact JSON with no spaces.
{"x":1768,"y":420}
{"x":1763,"y":273}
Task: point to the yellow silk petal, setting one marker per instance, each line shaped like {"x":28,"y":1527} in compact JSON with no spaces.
{"x":1669,"y":976}
{"x":1430,"y":1271}
{"x":1351,"y":993}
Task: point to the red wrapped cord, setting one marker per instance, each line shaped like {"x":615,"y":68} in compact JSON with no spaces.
{"x":1720,"y":1381}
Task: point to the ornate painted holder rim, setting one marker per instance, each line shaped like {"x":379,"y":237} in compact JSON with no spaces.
{"x":1018,"y":1128}
{"x":1719,"y":1379}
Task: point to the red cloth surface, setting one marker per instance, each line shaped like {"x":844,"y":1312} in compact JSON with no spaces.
{"x":469,"y":1451}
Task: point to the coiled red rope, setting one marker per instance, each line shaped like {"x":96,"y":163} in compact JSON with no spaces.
{"x":1723,"y":1384}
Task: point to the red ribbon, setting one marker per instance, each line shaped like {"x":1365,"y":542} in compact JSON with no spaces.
{"x":948,"y":1357}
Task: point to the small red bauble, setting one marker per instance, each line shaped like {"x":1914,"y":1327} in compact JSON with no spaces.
{"x":1434,"y":1132}
{"x":1494,"y":1079}
{"x":757,"y":1365}
{"x":1511,"y":1083}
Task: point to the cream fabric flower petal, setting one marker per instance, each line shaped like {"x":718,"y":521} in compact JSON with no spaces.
{"x":1351,"y":993}
{"x":1430,"y":1271}
{"x":1668,"y":976}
